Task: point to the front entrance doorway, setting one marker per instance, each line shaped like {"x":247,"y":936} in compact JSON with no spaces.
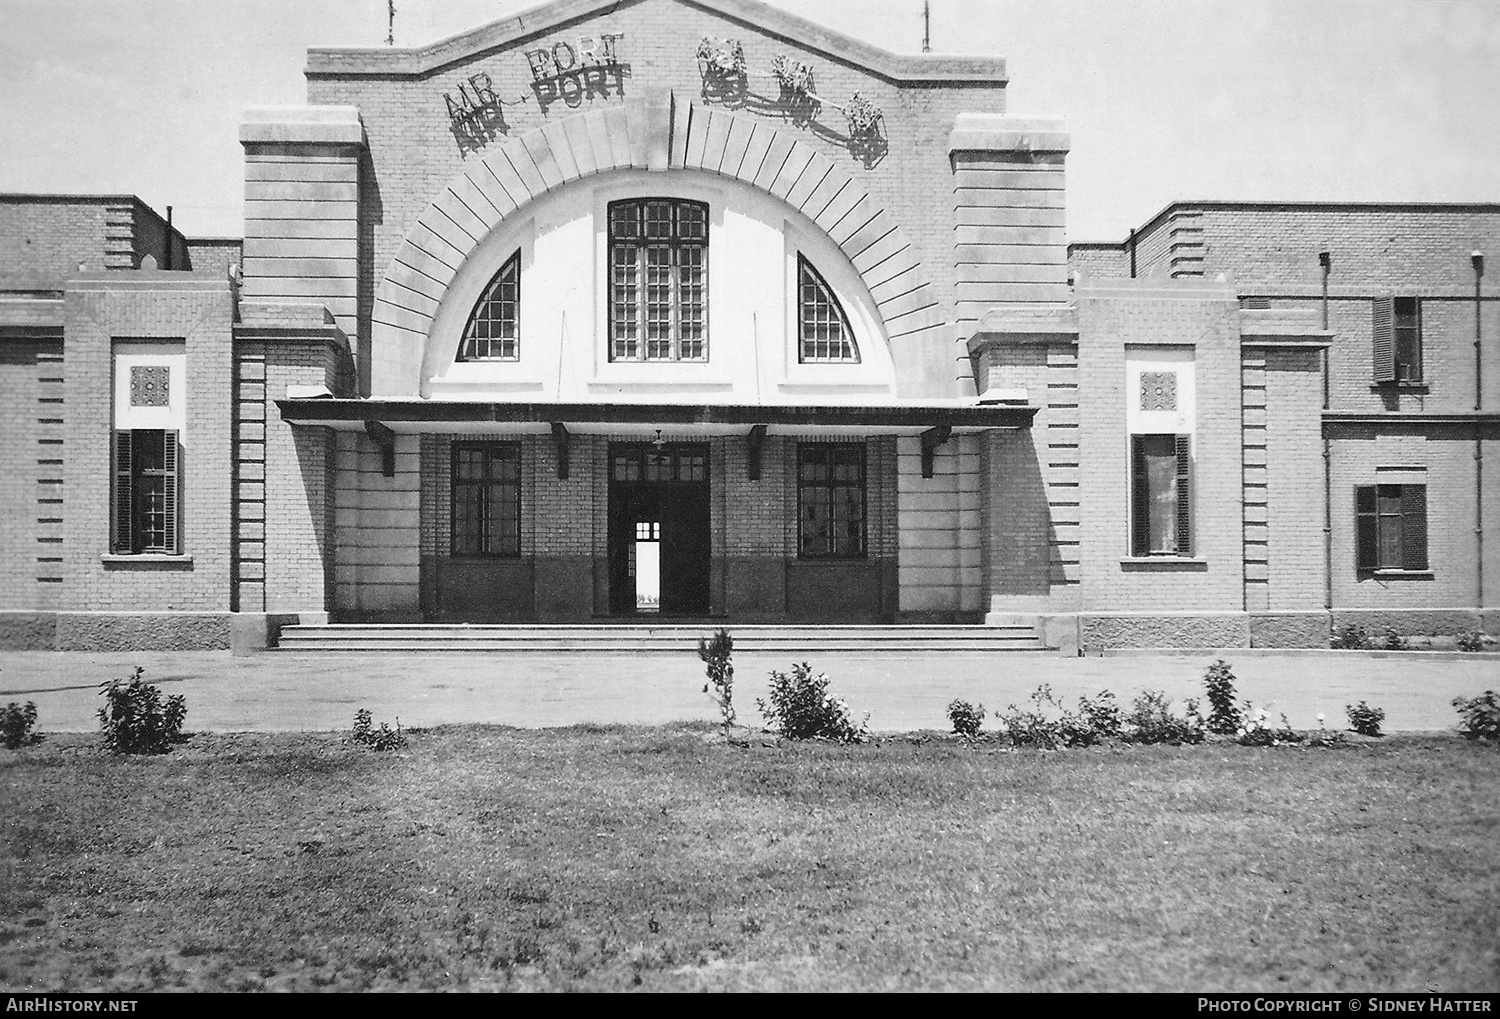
{"x":658,"y":528}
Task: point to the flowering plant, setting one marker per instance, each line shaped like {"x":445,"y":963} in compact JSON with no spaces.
{"x":1255,"y":731}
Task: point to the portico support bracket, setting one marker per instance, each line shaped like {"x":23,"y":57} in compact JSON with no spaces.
{"x":386,"y":440}
{"x":561,"y":437}
{"x":754,"y":443}
{"x":931,"y":440}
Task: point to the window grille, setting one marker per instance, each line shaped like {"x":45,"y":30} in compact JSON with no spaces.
{"x":486,"y":499}
{"x":658,"y":280}
{"x":831,"y":500}
{"x":492,"y":333}
{"x":822,"y":327}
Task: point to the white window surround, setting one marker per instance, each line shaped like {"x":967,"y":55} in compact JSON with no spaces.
{"x":133,"y":353}
{"x":874,"y":373}
{"x":443,"y":373}
{"x":752,"y":336}
{"x":1178,"y":359}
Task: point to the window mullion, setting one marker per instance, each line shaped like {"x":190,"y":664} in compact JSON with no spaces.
{"x":643,"y":301}
{"x":674,"y":300}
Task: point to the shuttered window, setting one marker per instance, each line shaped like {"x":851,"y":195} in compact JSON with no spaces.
{"x":145,"y":513}
{"x":1390,"y":524}
{"x":492,"y":333}
{"x":1161,"y":521}
{"x":1397,"y":331}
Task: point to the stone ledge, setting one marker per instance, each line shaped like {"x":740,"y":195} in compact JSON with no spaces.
{"x":1280,"y":327}
{"x":998,"y":132}
{"x":318,"y":125}
{"x":538,"y":21}
{"x":149,"y":560}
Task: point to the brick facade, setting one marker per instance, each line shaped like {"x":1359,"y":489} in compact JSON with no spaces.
{"x":997,"y":397}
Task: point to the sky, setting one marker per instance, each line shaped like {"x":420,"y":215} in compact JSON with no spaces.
{"x":1294,"y":100}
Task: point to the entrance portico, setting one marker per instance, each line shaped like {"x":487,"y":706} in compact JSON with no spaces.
{"x":761,"y":514}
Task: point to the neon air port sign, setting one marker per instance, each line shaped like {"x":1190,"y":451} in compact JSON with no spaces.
{"x":579,"y":70}
{"x":570,"y":71}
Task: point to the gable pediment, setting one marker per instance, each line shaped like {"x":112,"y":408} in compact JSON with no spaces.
{"x":506,"y":33}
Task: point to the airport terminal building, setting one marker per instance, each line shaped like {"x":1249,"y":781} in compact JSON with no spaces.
{"x":694,"y":310}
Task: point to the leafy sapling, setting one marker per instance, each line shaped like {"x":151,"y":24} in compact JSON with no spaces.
{"x":1364,"y":719}
{"x":134,"y":719}
{"x":384,"y":738}
{"x":716,"y":652}
{"x":1224,"y":717}
{"x":966,"y":718}
{"x":16,"y":723}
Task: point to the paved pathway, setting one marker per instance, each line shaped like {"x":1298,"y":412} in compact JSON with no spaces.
{"x":286,"y":691}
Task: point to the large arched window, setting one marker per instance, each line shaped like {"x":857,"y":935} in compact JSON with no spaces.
{"x":822,"y":327}
{"x":492,"y":331}
{"x":658,"y":280}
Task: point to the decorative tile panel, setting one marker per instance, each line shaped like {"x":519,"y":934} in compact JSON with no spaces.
{"x":149,"y":386}
{"x":1158,"y":390}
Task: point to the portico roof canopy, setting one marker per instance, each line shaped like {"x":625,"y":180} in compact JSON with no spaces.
{"x":645,"y":418}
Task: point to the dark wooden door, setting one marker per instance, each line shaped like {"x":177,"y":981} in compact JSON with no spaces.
{"x":669,"y":485}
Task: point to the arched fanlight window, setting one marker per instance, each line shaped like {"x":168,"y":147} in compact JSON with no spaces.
{"x":491,"y":334}
{"x":822,"y":327}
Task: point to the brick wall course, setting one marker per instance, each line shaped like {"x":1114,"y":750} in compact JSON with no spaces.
{"x":166,"y":307}
{"x":46,"y":240}
{"x":414,"y":154}
{"x":1206,"y":319}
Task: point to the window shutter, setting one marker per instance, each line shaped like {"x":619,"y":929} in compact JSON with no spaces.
{"x":1385,"y":339}
{"x":1184,"y":497}
{"x":1414,"y":527}
{"x":1140,"y":498}
{"x":169,"y":492}
{"x":120,"y":507}
{"x":1366,"y":528}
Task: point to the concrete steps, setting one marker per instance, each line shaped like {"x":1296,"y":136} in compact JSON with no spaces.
{"x":638,"y":637}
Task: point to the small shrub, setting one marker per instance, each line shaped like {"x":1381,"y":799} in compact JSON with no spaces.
{"x":1257,"y":732}
{"x":801,"y":707}
{"x":1095,"y":720}
{"x":1350,"y":637}
{"x":715,"y":652}
{"x":1151,"y":721}
{"x":135,"y":721}
{"x":966,"y":718}
{"x":1364,"y":719}
{"x":384,"y":738}
{"x":1324,"y":738}
{"x":1031,"y":728}
{"x":1394,"y":641}
{"x":1472,"y":641}
{"x":16,"y":723}
{"x":1224,"y":717}
{"x":1481,"y":716}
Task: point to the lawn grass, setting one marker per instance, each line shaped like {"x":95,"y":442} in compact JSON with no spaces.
{"x":657,"y":858}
